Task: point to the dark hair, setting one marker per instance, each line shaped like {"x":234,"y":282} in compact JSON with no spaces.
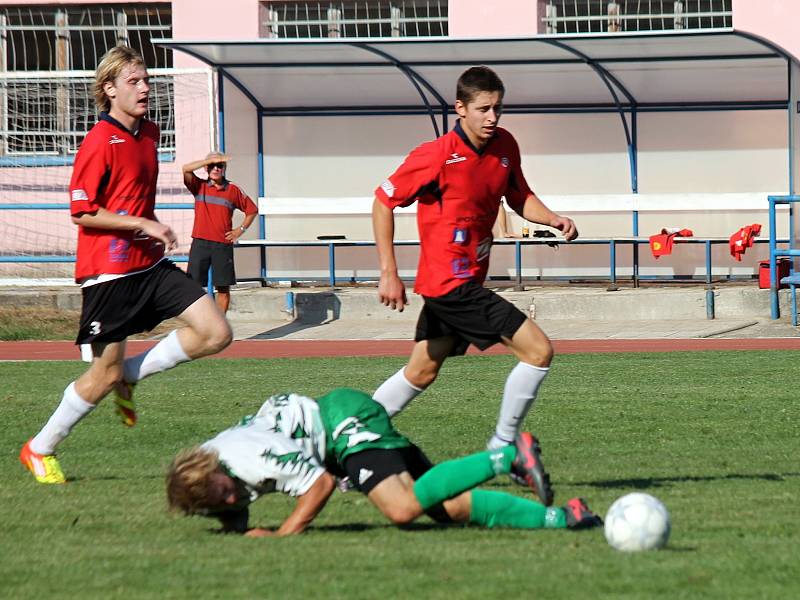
{"x":476,"y":80}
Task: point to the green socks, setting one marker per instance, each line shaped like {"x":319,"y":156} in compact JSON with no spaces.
{"x":450,"y":478}
{"x":498,"y":509}
{"x":489,"y":509}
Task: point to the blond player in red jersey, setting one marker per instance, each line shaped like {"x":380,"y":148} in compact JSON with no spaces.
{"x":127,"y":284}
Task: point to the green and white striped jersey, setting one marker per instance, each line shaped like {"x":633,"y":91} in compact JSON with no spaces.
{"x":279,"y":449}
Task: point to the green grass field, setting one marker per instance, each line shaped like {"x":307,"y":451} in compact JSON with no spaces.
{"x":714,"y":435}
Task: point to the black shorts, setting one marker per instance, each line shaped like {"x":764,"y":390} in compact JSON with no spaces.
{"x":472,"y":314}
{"x":368,"y":468}
{"x":116,"y":309}
{"x":218,"y":256}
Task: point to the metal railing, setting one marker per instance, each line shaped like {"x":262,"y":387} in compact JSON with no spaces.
{"x":365,"y":18}
{"x":597,"y":16}
{"x":47,"y":59}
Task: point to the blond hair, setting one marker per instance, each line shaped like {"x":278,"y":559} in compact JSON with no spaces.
{"x":108,"y":70}
{"x":188,"y":479}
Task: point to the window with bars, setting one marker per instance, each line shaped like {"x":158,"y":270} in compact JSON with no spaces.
{"x":46,"y":111}
{"x":593,"y":16}
{"x":365,"y":19}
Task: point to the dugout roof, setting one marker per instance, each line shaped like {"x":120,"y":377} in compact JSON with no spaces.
{"x":704,"y":70}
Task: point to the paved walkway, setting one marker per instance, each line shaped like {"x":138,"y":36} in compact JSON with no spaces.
{"x":372,"y":329}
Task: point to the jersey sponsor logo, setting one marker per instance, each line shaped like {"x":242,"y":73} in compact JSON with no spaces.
{"x":118,"y":250}
{"x":115,"y":140}
{"x":79,"y":195}
{"x":483,"y":249}
{"x":388,"y":187}
{"x":460,"y":267}
{"x":455,"y":158}
{"x":504,"y":162}
{"x":460,"y":236}
{"x":364,"y":475}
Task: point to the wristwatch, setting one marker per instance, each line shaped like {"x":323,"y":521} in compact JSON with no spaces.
{"x":242,"y":229}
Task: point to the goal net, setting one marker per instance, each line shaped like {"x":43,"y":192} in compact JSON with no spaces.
{"x":44,"y":116}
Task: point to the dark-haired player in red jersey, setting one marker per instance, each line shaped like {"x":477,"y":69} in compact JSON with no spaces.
{"x":127,"y":284}
{"x":457,"y":182}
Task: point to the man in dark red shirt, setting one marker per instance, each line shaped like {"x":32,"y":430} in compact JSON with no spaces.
{"x":457,"y":182}
{"x":127,"y":284}
{"x":213,"y":234}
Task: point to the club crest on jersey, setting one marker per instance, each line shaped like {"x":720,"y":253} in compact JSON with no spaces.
{"x":455,"y":158}
{"x":460,"y":236}
{"x":115,"y":140}
{"x":388,"y":187}
{"x":504,"y":162}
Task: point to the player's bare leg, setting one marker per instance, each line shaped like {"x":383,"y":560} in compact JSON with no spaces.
{"x":223,"y":298}
{"x":206,"y":332}
{"x":449,"y":486}
{"x":394,"y":497}
{"x":79,"y":399}
{"x":531,"y":345}
{"x":423,"y":366}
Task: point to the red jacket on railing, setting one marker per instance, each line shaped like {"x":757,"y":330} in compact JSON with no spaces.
{"x":743,"y":239}
{"x":661,"y":243}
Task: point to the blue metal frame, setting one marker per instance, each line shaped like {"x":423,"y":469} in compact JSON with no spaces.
{"x":408,"y":68}
{"x":793,"y":280}
{"x":220,"y":110}
{"x":629,"y":107}
{"x":416,"y":79}
{"x":634,"y":242}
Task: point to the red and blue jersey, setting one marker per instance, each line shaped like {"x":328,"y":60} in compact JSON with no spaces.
{"x":115,"y":169}
{"x":213,"y":208}
{"x":458,"y":190}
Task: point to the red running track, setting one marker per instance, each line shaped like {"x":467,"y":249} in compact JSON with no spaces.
{"x":314,"y":348}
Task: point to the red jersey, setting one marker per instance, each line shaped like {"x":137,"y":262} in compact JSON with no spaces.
{"x":213,"y":208}
{"x":116,"y":170}
{"x":458,"y":191}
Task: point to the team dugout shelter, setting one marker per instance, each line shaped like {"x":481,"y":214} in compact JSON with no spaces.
{"x":625,"y":132}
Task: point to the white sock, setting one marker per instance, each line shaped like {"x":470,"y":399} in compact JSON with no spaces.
{"x":164,"y":355}
{"x":71,"y":410}
{"x":396,"y":392}
{"x":521,"y":387}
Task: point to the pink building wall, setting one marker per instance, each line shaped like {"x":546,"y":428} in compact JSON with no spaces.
{"x":478,"y":18}
{"x":774,"y":20}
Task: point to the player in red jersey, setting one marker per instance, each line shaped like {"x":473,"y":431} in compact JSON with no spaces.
{"x":457,"y":182}
{"x":213,"y":233}
{"x":127,"y":284}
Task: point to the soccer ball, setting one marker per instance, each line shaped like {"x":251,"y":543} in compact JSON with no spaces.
{"x":637,"y":521}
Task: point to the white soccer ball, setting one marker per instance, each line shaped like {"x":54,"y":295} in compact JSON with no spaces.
{"x":637,"y":521}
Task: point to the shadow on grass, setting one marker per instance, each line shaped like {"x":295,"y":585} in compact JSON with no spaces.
{"x":90,"y":478}
{"x":656,"y":482}
{"x":360,"y":527}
